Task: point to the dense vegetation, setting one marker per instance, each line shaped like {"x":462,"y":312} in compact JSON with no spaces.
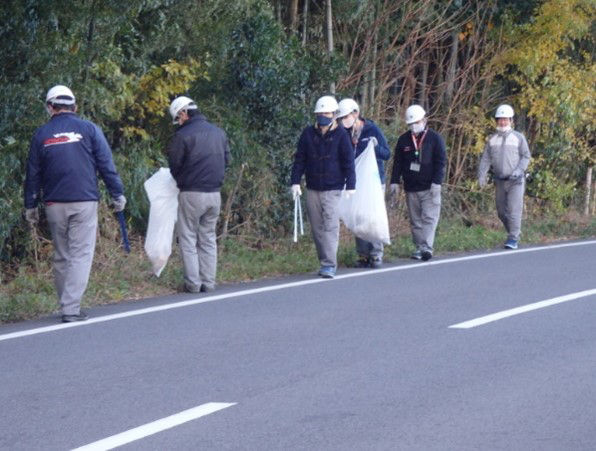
{"x":256,"y":67}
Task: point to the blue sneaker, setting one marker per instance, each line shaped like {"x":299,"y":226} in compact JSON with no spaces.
{"x":416,"y":255}
{"x":327,"y":272}
{"x":511,"y":244}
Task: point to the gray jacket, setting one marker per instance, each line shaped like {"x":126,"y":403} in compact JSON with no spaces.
{"x":504,"y":152}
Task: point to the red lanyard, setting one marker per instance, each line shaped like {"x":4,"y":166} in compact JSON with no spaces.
{"x":418,"y":146}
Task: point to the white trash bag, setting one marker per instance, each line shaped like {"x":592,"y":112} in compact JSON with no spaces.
{"x":364,"y":213}
{"x":163,"y":192}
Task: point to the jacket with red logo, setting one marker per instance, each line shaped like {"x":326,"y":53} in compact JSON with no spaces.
{"x":65,"y":156}
{"x":420,"y":167}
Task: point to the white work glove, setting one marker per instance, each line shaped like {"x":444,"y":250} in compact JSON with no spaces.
{"x":517,"y":173}
{"x":482,"y":181}
{"x":32,"y":215}
{"x":349,"y":193}
{"x":394,"y":189}
{"x":118,"y":203}
{"x":295,"y":191}
{"x":435,"y":189}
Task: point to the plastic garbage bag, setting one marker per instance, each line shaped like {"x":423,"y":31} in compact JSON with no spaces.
{"x":163,"y":192}
{"x":365,"y":213}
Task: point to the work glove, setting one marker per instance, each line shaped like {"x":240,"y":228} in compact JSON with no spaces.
{"x":295,"y":191}
{"x":349,"y":193}
{"x":394,"y":190}
{"x":118,"y":203}
{"x":435,"y":189}
{"x":482,"y":181}
{"x":32,"y":216}
{"x":517,"y":174}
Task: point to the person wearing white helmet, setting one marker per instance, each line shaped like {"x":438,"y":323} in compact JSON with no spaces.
{"x":325,"y":156}
{"x":419,"y":160}
{"x":362,"y":131}
{"x":198,"y":155}
{"x":64,"y":158}
{"x":507,"y":153}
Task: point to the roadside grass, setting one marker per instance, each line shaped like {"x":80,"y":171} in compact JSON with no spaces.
{"x":116,"y":276}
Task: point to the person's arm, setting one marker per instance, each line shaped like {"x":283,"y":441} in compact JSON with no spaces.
{"x":484,"y":165}
{"x":346,"y":155}
{"x":439,"y":160}
{"x":33,"y":175}
{"x":524,"y":154}
{"x":105,"y":164}
{"x":396,"y":172}
{"x":299,"y":164}
{"x":382,"y":150}
{"x":175,"y":151}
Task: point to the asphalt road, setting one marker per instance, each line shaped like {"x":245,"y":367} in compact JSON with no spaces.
{"x":366,"y":361}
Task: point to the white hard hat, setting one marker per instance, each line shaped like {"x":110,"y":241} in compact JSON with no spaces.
{"x":326,"y":104}
{"x":414,"y":113}
{"x":179,"y":104}
{"x":504,"y":111}
{"x":61,"y":95}
{"x":347,"y":106}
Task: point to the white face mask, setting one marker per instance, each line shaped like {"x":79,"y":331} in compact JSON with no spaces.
{"x":348,"y":121}
{"x":417,"y":127}
{"x":504,"y":129}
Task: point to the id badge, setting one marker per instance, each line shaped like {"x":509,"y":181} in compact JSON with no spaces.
{"x":415,"y":167}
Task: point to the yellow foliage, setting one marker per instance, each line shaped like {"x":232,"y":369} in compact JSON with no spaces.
{"x":155,"y":90}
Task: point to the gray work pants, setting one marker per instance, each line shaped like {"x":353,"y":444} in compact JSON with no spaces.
{"x":322,"y":208}
{"x":74,"y":227}
{"x":424,"y":210}
{"x":197,"y":218}
{"x":367,"y":248}
{"x":510,"y":204}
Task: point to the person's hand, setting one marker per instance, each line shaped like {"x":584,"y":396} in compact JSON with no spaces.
{"x":394,"y":189}
{"x":374,"y":141}
{"x":32,"y":216}
{"x":517,"y":174}
{"x":119,"y":203}
{"x":482,"y":181}
{"x":435,"y":189}
{"x":295,"y":191}
{"x":349,"y":193}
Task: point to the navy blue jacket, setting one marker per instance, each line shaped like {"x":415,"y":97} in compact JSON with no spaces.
{"x":326,"y":160}
{"x":382,"y":151}
{"x":198,"y":155}
{"x":432,"y":158}
{"x":65,"y":155}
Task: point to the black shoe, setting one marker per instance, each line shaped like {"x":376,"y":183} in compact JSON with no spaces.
{"x":376,"y":262}
{"x":363,"y":262}
{"x":206,"y":289}
{"x":82,"y":316}
{"x":186,"y":289}
{"x":427,"y":255}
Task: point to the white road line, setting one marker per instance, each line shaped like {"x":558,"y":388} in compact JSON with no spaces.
{"x":154,"y":427}
{"x":241,"y":293}
{"x":523,"y":309}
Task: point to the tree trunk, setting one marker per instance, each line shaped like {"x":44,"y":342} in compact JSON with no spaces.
{"x":294,"y":16}
{"x":304,"y":22}
{"x":373,"y":74}
{"x":588,"y":197}
{"x":330,"y":38}
{"x":422,"y":94}
{"x":278,"y":11}
{"x":452,"y":67}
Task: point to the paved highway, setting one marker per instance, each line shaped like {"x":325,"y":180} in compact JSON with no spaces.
{"x":409,"y":357}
